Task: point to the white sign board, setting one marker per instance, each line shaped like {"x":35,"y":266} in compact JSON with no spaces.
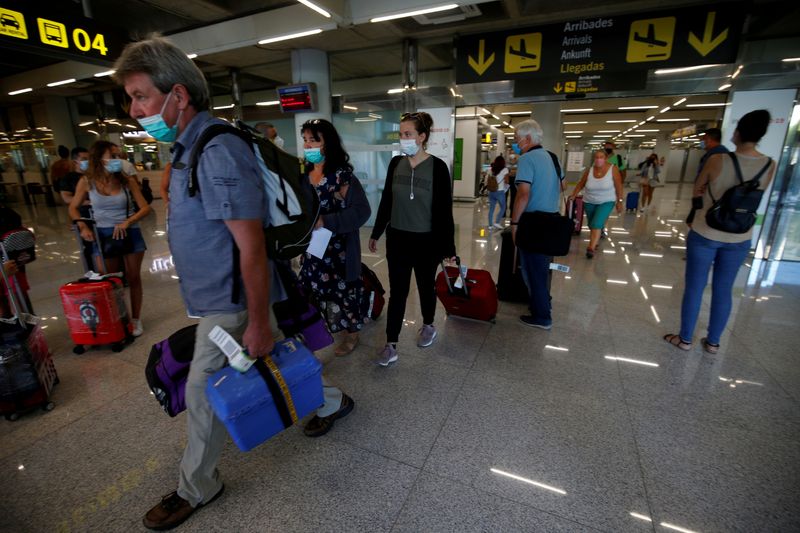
{"x":574,"y":161}
{"x":442,"y":134}
{"x":779,"y":103}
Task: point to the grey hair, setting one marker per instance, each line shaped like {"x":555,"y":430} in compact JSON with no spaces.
{"x":530,"y":128}
{"x":166,"y":64}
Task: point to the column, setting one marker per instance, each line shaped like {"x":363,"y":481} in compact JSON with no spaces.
{"x":548,"y":115}
{"x":311,"y":66}
{"x":662,"y":148}
{"x":410,"y":72}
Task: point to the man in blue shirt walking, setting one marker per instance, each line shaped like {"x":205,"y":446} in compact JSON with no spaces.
{"x":538,"y":184}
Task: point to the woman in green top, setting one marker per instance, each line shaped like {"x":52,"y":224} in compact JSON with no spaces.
{"x":416,"y":211}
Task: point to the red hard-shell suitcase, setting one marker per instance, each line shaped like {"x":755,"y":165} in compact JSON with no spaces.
{"x":96,"y":312}
{"x":575,"y":212}
{"x":477,"y":299}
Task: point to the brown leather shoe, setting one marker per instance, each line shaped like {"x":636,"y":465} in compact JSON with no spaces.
{"x":172,"y":511}
{"x":318,"y":426}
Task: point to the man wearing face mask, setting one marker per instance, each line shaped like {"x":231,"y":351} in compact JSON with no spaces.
{"x":712,"y":144}
{"x":538,"y":180}
{"x":170,"y":99}
{"x":66,"y":185}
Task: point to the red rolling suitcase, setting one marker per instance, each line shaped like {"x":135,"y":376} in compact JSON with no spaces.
{"x":575,"y":212}
{"x":477,"y":298}
{"x":96,"y":312}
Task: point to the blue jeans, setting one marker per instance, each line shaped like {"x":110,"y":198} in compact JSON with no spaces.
{"x":497,"y":197}
{"x":726,"y":258}
{"x":536,"y":273}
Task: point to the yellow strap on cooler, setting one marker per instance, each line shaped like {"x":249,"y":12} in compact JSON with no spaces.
{"x":287,"y":394}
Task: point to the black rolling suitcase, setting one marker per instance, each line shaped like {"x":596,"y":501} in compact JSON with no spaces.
{"x":510,"y":284}
{"x":27,"y":373}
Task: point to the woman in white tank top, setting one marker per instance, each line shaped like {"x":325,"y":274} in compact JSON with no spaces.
{"x":706,"y":246}
{"x":601,"y":192}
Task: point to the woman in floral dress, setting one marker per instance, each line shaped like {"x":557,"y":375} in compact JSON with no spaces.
{"x":335,"y":280}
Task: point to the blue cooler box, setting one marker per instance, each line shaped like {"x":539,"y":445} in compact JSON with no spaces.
{"x":244,"y":403}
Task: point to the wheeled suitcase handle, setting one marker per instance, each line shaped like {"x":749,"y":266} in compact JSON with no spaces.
{"x":461,"y":275}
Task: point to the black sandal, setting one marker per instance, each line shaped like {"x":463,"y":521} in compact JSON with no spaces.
{"x":708,"y":347}
{"x":676,"y":341}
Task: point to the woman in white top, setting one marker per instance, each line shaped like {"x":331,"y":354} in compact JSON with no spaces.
{"x":707,"y":246}
{"x":499,"y":172}
{"x":601,"y":193}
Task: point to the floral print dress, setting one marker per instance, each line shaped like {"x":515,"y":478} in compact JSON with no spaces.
{"x":325,"y":279}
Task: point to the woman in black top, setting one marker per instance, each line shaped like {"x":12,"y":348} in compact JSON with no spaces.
{"x":417,"y":208}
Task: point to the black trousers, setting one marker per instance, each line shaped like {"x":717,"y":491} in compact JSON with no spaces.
{"x":407,"y":251}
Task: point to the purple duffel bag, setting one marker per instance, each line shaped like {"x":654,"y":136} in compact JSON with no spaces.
{"x":168,"y":367}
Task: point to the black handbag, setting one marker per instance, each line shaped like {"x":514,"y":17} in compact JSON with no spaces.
{"x":544,"y":233}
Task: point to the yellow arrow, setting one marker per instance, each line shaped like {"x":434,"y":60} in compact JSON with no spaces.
{"x":708,"y":44}
{"x":482,"y":63}
{"x":558,"y":87}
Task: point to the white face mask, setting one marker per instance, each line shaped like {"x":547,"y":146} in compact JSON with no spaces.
{"x":409,"y":147}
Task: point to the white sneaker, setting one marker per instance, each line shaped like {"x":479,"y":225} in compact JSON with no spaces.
{"x":137,"y":327}
{"x":499,"y":226}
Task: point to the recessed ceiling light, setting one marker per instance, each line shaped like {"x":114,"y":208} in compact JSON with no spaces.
{"x":724,"y":86}
{"x":607,"y":131}
{"x":719,"y":104}
{"x":414,"y":13}
{"x":790,"y":59}
{"x":191,"y":56}
{"x":648,"y":131}
{"x":20,"y":91}
{"x":573,"y":136}
{"x":581,"y":110}
{"x":227,"y":106}
{"x":572,"y":132}
{"x":664,"y":110}
{"x":516,"y":113}
{"x":673,"y":120}
{"x":62,"y":82}
{"x":679,"y":102}
{"x":271,"y":102}
{"x":315,"y":7}
{"x":663,"y":71}
{"x":637,"y":107}
{"x":290,"y":36}
{"x":350,"y":107}
{"x":576,"y":122}
{"x":104,"y":73}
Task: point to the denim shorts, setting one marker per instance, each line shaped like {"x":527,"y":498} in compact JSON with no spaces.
{"x":135,"y":237}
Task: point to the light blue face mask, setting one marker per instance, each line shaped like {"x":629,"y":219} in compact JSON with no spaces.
{"x":83,"y":166}
{"x":156,"y":127}
{"x":114,"y":165}
{"x":702,"y":145}
{"x":313,"y":155}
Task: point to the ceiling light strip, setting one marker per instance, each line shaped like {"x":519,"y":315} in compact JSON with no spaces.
{"x":414,"y":13}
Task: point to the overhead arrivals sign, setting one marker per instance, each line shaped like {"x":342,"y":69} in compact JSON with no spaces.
{"x":601,"y":53}
{"x":36,"y":27}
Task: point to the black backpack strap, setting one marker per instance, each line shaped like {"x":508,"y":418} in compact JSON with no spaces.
{"x":199,"y":145}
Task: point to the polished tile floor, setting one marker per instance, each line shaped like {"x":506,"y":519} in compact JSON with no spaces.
{"x":597,"y":425}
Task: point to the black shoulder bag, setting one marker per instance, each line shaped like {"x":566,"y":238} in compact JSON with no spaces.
{"x":545,"y":233}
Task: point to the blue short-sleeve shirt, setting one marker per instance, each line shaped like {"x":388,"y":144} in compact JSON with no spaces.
{"x":230,"y":188}
{"x":535,"y":167}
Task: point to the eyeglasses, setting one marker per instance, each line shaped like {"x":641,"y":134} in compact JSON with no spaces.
{"x":406,"y":116}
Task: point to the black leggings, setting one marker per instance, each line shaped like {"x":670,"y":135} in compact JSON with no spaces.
{"x":407,"y":251}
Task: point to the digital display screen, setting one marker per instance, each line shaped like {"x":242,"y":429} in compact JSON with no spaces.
{"x":300,"y":97}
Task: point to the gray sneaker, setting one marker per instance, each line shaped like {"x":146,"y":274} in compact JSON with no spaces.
{"x":387,"y":356}
{"x":426,"y":336}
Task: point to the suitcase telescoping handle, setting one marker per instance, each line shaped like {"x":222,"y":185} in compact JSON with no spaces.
{"x":460,"y":273}
{"x":92,"y":224}
{"x":12,"y":291}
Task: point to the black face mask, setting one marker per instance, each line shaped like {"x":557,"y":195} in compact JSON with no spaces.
{"x":608,"y":150}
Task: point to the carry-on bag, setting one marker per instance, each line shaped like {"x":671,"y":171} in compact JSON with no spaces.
{"x":632,"y":201}
{"x":575,"y":212}
{"x":168,"y":368}
{"x":510,"y":283}
{"x":274,"y":393}
{"x":297,"y":316}
{"x":27,"y":372}
{"x":96,"y":312}
{"x":19,"y":245}
{"x":373,"y":298}
{"x":476,"y":298}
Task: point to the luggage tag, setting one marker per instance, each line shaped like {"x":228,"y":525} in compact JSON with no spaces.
{"x":459,"y":284}
{"x":236,"y":355}
{"x":560,"y":268}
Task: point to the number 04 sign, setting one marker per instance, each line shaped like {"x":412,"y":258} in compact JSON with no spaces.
{"x":57,"y":34}
{"x":46,"y":28}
